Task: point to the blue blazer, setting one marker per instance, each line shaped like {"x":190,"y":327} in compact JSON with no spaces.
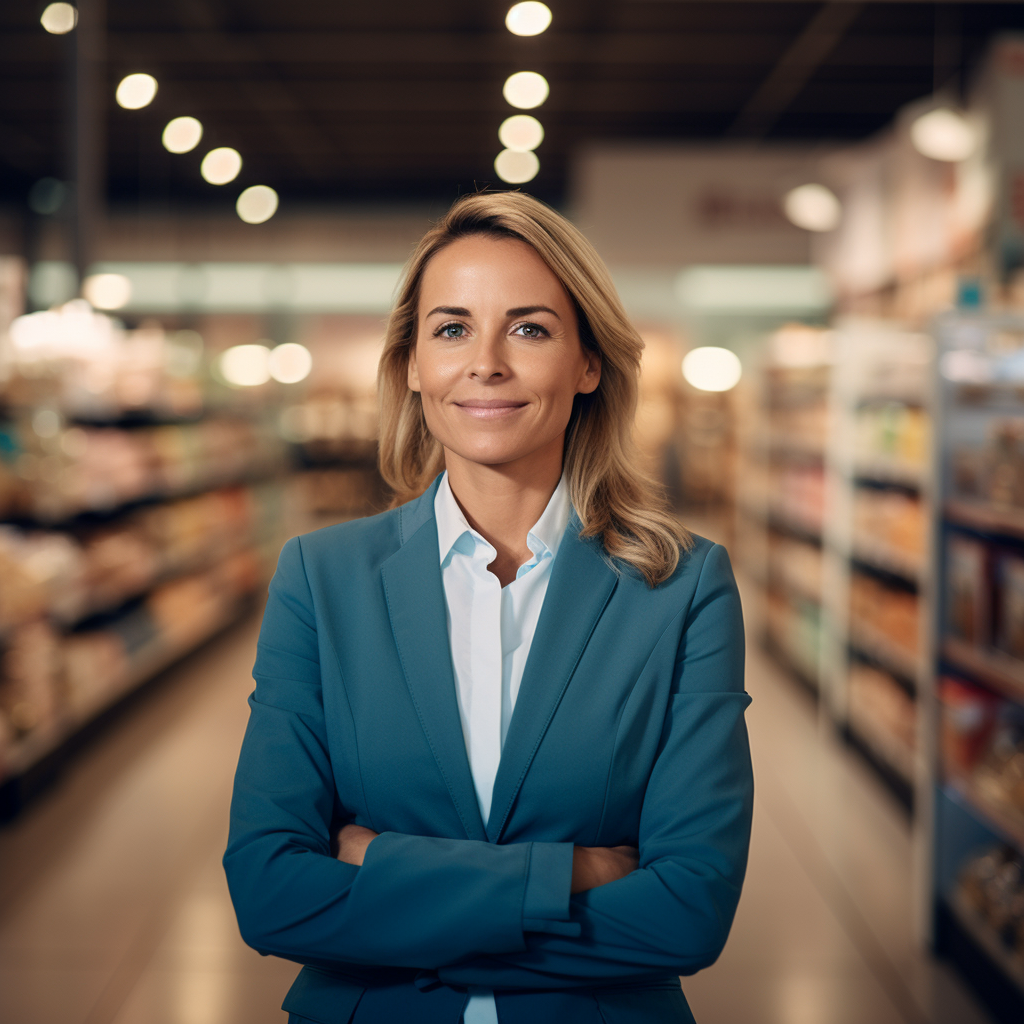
{"x":628,"y":729}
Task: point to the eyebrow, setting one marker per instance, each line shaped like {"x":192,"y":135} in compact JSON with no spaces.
{"x":450,"y":311}
{"x":517,"y":311}
{"x":527,"y":310}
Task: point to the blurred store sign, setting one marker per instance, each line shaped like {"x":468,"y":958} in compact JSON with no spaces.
{"x":656,"y":204}
{"x":170,"y":287}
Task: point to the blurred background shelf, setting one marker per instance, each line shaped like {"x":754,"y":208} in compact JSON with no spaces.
{"x":1002,"y":672}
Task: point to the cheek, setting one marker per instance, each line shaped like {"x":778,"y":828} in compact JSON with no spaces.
{"x":436,"y":373}
{"x":557,"y":383}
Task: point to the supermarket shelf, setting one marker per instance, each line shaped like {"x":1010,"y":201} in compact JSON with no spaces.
{"x":793,"y":446}
{"x":878,"y":647}
{"x":893,"y":779}
{"x":217,"y":549}
{"x":890,"y":759}
{"x":900,"y":472}
{"x":981,"y":932}
{"x":980,"y":515}
{"x":791,"y":588}
{"x":156,"y":656}
{"x":999,"y":671}
{"x":87,"y":515}
{"x":802,"y":529}
{"x":1006,"y":821}
{"x":878,"y":555}
{"x":783,"y":522}
{"x":789,"y":664}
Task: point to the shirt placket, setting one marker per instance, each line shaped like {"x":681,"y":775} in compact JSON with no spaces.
{"x":485,"y":667}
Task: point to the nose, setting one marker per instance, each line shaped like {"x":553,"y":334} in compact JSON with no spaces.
{"x":487,"y":358}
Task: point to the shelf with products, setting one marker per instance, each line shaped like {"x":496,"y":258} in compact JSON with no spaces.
{"x":85,"y":619}
{"x":781,"y":498}
{"x":869,"y":643}
{"x":996,"y":933}
{"x":985,"y":517}
{"x":883,"y":714}
{"x":140,"y":502}
{"x":979,"y":651}
{"x":982,"y":754}
{"x":35,"y":728}
{"x":878,"y":507}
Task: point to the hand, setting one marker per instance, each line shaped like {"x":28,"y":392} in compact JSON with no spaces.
{"x":352,"y":842}
{"x":598,"y":865}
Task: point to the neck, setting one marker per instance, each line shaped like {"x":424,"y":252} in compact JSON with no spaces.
{"x":503,"y":502}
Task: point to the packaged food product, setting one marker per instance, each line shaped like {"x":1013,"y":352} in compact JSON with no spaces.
{"x":968,"y":718}
{"x":969,"y":600}
{"x":1010,"y":603}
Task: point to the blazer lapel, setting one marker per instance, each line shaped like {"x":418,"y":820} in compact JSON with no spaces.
{"x":581,"y":584}
{"x":416,"y":605}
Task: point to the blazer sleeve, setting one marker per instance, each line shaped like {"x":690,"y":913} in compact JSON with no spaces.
{"x":416,"y":901}
{"x":673,"y":914}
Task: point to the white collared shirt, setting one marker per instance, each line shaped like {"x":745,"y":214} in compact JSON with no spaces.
{"x":490,"y":630}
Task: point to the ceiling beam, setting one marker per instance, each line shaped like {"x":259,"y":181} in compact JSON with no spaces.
{"x":795,"y":68}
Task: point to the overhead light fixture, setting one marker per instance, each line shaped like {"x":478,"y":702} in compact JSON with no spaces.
{"x":257,"y":204}
{"x":944,"y":134}
{"x":528,"y":19}
{"x":525,"y":90}
{"x":59,"y":19}
{"x":136,"y":91}
{"x":521,"y":132}
{"x":712,"y":369}
{"x":813,"y":207}
{"x":182,"y":134}
{"x":245,"y":366}
{"x":516,"y":166}
{"x":289,"y":363}
{"x":107,"y":291}
{"x":221,"y":165}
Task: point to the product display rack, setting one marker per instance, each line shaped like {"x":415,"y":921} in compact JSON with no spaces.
{"x":977,"y":711}
{"x":879,"y":496}
{"x":834,"y":504}
{"x":780,"y":507}
{"x":130,"y":533}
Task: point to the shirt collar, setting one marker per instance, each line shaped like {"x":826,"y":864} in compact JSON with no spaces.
{"x":544,"y":536}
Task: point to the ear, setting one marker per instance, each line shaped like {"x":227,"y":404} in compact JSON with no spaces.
{"x":591,"y":375}
{"x":412,"y":371}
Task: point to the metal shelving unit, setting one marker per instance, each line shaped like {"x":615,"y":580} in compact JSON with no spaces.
{"x":972,"y":809}
{"x":874,"y":660}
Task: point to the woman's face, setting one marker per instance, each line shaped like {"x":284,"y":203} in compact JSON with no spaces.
{"x":497,"y":359}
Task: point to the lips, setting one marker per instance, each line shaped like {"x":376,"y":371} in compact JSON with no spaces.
{"x":489,"y":408}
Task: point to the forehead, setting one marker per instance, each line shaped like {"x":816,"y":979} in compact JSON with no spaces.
{"x":481,"y":269}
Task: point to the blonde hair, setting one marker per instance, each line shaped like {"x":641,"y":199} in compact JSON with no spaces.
{"x":613,"y":498}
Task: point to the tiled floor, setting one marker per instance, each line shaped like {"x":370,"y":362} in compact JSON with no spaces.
{"x":113,"y":907}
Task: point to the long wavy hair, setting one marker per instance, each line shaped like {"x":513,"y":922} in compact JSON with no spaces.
{"x":614,"y":499}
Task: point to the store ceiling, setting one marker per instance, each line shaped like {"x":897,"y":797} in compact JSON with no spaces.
{"x":337,"y":101}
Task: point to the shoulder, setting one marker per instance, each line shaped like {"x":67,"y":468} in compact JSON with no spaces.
{"x":344,"y":553}
{"x":702,"y":562}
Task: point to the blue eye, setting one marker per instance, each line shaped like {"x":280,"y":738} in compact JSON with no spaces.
{"x":450,"y":331}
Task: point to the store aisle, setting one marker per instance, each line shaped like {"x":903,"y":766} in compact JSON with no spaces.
{"x":113,"y":907}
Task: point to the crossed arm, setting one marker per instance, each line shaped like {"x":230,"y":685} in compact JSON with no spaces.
{"x":591,"y":865}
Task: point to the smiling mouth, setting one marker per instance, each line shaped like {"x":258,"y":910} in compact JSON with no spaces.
{"x":490,"y":408}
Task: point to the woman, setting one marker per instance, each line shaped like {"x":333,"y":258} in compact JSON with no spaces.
{"x":496,"y":766}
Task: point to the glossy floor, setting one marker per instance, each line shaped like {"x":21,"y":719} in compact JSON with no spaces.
{"x":113,"y":907}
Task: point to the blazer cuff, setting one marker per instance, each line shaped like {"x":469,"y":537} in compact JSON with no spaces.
{"x":548,"y":884}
